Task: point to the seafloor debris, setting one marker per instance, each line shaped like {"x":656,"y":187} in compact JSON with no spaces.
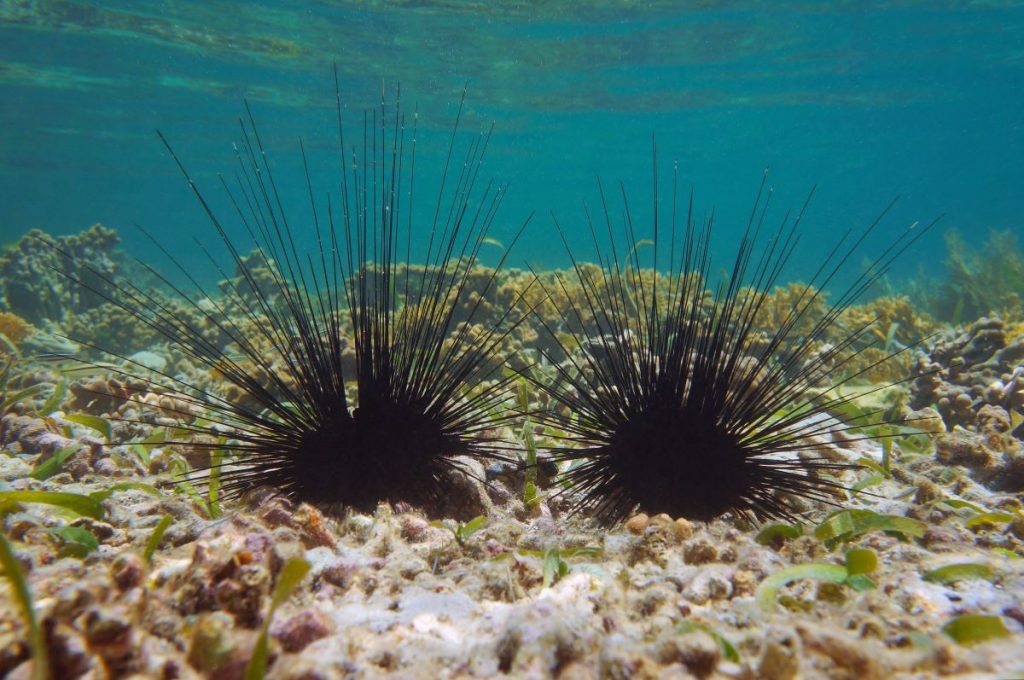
{"x":164,"y":581}
{"x":975,"y":379}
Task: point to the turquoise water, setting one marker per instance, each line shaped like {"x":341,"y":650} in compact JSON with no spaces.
{"x":866,"y":101}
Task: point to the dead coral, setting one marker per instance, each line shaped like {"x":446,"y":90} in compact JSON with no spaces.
{"x":104,"y":395}
{"x":974,"y":380}
{"x":112,"y":328}
{"x":39,"y":284}
{"x":13,"y":327}
{"x":962,"y":373}
{"x":892,"y":322}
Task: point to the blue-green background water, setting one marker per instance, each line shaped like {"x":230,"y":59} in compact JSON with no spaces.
{"x":864,"y":100}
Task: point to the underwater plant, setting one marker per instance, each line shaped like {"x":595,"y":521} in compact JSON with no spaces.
{"x":274,"y":402}
{"x":681,"y":403}
{"x":979,"y":281}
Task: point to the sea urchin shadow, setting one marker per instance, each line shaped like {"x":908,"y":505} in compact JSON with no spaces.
{"x":667,"y":394}
{"x":293,"y":329}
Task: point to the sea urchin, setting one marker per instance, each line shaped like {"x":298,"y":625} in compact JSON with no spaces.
{"x":670,"y":399}
{"x":297,"y":327}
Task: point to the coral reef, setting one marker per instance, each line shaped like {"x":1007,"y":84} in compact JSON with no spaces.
{"x":892,"y":324}
{"x":110,"y":327}
{"x":893,"y":321}
{"x":13,"y":327}
{"x":521,"y":593}
{"x":975,"y":379}
{"x":103,"y":395}
{"x":39,"y":284}
{"x":778,"y":306}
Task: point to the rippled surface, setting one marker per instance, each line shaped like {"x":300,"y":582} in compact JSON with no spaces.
{"x":865,"y":103}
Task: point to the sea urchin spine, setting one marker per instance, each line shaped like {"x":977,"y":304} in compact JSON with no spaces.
{"x":425,"y":380}
{"x":676,"y":401}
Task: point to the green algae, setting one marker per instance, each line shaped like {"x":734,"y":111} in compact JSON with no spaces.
{"x":845,"y":525}
{"x":971,"y":629}
{"x":94,"y":423}
{"x":775,"y":535}
{"x":854,"y":574}
{"x":54,"y":464}
{"x":153,"y":542}
{"x":23,"y":596}
{"x":729,"y":652}
{"x":959,"y":572}
{"x":76,"y":503}
{"x":292,"y":573}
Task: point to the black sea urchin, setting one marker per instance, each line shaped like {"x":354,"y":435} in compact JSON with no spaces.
{"x":668,"y":396}
{"x":420,"y":354}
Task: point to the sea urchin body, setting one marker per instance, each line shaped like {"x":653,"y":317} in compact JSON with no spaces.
{"x":668,"y":395}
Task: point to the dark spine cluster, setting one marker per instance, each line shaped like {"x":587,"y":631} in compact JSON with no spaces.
{"x":425,"y":386}
{"x":674,"y":401}
{"x":357,"y":378}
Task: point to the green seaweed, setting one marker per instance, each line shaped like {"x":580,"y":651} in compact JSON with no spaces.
{"x":776,"y":534}
{"x":768,"y":591}
{"x":23,"y":596}
{"x":554,"y":561}
{"x":531,"y":495}
{"x":10,"y":349}
{"x":728,"y":650}
{"x":155,"y":438}
{"x":976,"y":516}
{"x":54,"y":464}
{"x":523,"y":395}
{"x":958,"y":504}
{"x":979,"y":281}
{"x":854,"y":574}
{"x":959,"y":572}
{"x":213,"y":482}
{"x":126,"y":486}
{"x":880,"y":468}
{"x":890,"y":337}
{"x":95,"y":423}
{"x":292,"y":573}
{"x":13,"y":398}
{"x":970,"y":629}
{"x":153,"y":542}
{"x":845,"y":525}
{"x":466,"y":529}
{"x":142,"y":449}
{"x":861,"y":561}
{"x":75,"y":541}
{"x":462,"y":530}
{"x":77,"y":503}
{"x":886,"y":464}
{"x":866,"y":483}
{"x":989,"y":519}
{"x":56,"y":398}
{"x":180,"y":469}
{"x":554,"y":567}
